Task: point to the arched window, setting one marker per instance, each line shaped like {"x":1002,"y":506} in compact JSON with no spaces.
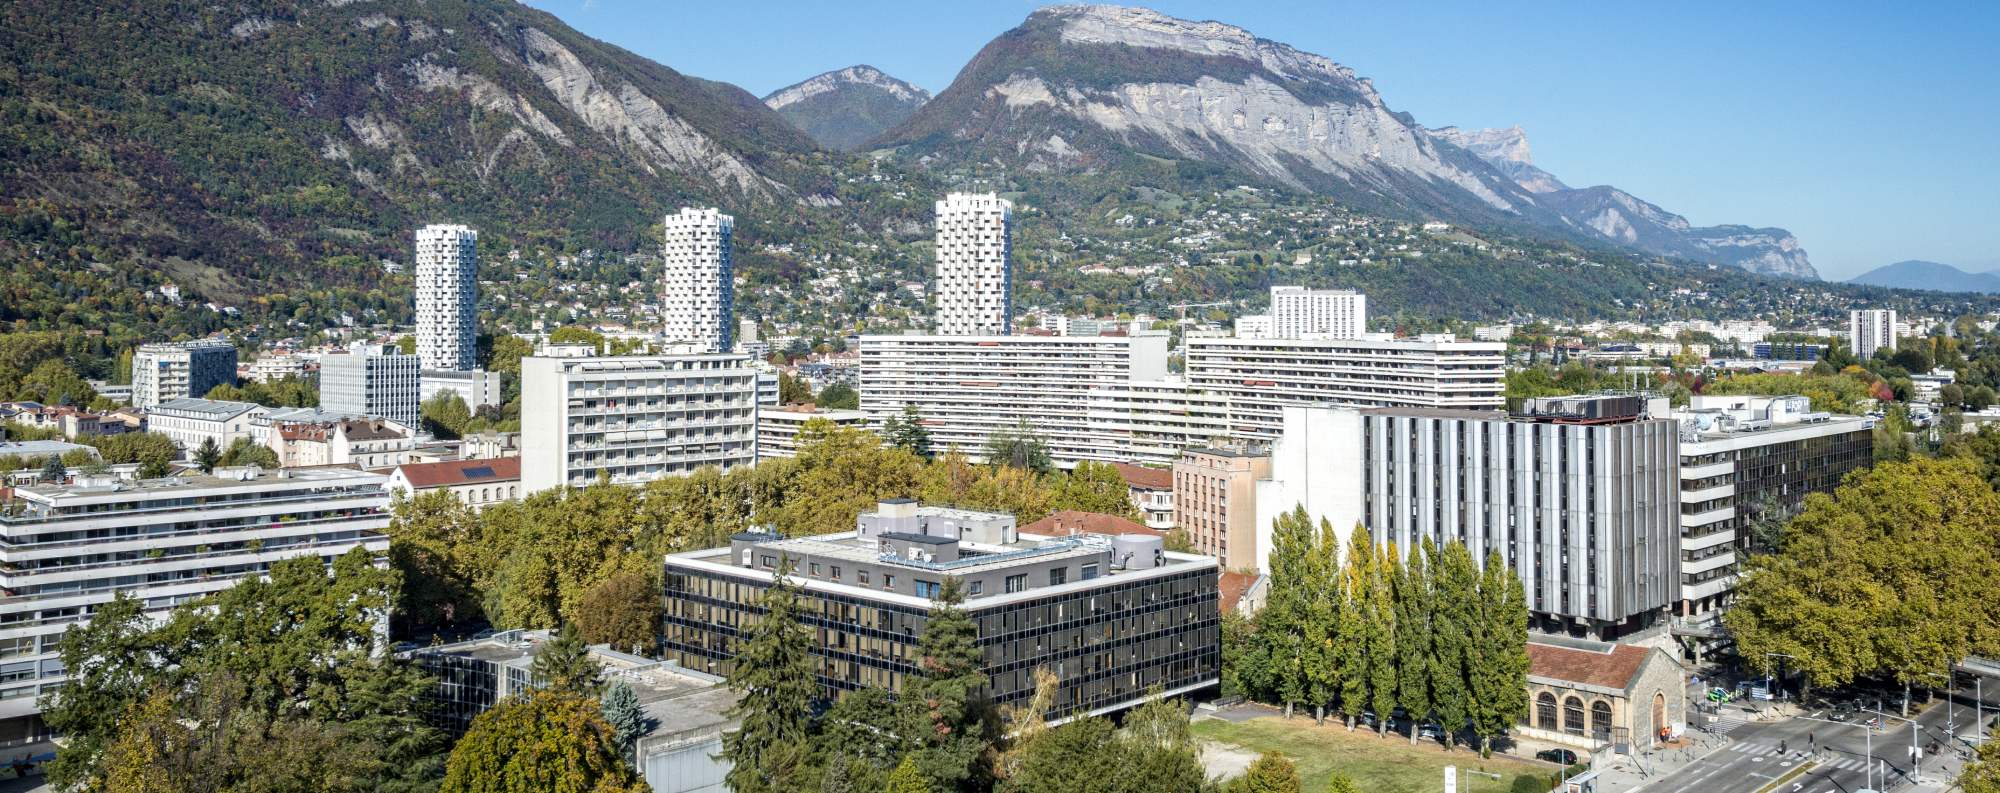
{"x":1600,"y":720}
{"x":1545,"y":712}
{"x":1573,"y":716}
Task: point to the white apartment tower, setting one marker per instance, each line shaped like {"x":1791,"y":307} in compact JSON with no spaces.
{"x":166,"y":372}
{"x":1301,"y":313}
{"x":447,"y":298}
{"x":1871,"y":329}
{"x":974,"y":279}
{"x":700,"y":285}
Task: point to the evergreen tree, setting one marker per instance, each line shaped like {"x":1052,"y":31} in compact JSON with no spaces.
{"x":1357,"y":629}
{"x":1019,"y":447}
{"x":565,"y":665}
{"x":1381,"y":617}
{"x":907,"y":432}
{"x":207,"y":455}
{"x":622,"y":712}
{"x":860,"y":741}
{"x":1320,"y":635}
{"x":907,"y":779}
{"x":53,"y":470}
{"x":1413,"y":636}
{"x":948,"y":720}
{"x":1342,"y":783}
{"x":775,"y":685}
{"x":1500,"y":677}
{"x":1453,"y":592}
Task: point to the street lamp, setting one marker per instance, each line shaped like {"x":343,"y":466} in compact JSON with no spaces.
{"x":1916,"y":750}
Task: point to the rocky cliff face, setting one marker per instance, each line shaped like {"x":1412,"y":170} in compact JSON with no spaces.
{"x":844,"y":109}
{"x":1616,"y":216}
{"x":1082,"y":88}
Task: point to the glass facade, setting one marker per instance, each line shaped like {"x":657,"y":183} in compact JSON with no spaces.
{"x":1108,"y":644}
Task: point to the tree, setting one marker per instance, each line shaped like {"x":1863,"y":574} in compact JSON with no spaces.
{"x":1878,"y":577}
{"x":564,"y":665}
{"x":1358,"y":628}
{"x":847,"y":472}
{"x":949,"y":725}
{"x":622,"y":611}
{"x":621,"y":711}
{"x":1453,"y":617}
{"x":1326,"y":612}
{"x":1499,"y":668}
{"x":1381,"y":617}
{"x":1095,"y":487}
{"x":1282,"y":624}
{"x":207,"y":455}
{"x":407,"y":345}
{"x":427,"y":535}
{"x":907,"y":432}
{"x":1160,"y":752}
{"x":292,"y":656}
{"x":793,"y":390}
{"x":244,"y":451}
{"x":1952,"y":394}
{"x":860,"y":741}
{"x":1412,"y":585}
{"x":548,"y":740}
{"x":1983,"y":774}
{"x":1341,"y":783}
{"x":907,"y":779}
{"x":1269,"y":773}
{"x":775,"y":684}
{"x":445,"y":415}
{"x":1019,"y":447}
{"x":839,"y":396}
{"x":53,"y":469}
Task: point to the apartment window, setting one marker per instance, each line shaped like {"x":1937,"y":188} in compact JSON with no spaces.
{"x":927,"y":589}
{"x":836,"y":572}
{"x":888,"y":582}
{"x":1059,"y":575}
{"x":861,"y":576}
{"x":1017,"y":583}
{"x":977,"y":587}
{"x":770,"y":561}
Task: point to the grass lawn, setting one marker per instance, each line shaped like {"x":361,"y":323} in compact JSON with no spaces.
{"x":1377,"y":765}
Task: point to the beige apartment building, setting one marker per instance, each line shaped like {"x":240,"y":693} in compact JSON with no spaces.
{"x":1215,"y":492}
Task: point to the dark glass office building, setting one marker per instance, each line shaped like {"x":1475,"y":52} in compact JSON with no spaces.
{"x":1113,"y":617}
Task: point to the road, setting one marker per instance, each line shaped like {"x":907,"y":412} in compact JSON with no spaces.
{"x":1761,"y":752}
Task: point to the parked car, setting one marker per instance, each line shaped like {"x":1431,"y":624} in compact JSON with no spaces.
{"x":1557,"y":756}
{"x":1431,"y":730}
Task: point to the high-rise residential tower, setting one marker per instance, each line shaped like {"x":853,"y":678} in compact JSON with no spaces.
{"x":974,"y":278}
{"x":166,"y":372}
{"x":695,"y":306}
{"x":1871,"y":329}
{"x":447,"y":299}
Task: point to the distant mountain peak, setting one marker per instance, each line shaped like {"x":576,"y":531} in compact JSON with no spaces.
{"x":846,"y":107}
{"x":1506,"y":149}
{"x":1936,"y":276}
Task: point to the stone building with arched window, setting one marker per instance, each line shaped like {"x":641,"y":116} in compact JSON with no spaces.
{"x":1589,"y":694}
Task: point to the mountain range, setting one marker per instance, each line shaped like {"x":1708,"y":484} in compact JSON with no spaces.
{"x":1094,"y":88}
{"x":1917,"y":274}
{"x":845,"y":108}
{"x":268,"y":154}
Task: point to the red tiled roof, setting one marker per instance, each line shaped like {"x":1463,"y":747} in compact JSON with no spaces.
{"x":1234,"y":586}
{"x":1068,"y":520}
{"x":461,"y":472}
{"x":1142,"y":477}
{"x":1614,"y":669}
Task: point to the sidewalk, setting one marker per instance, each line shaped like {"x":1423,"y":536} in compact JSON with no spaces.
{"x":1621,"y":774}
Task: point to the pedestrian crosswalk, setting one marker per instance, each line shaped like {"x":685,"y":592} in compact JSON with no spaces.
{"x":1722,"y":725}
{"x":1826,"y":760}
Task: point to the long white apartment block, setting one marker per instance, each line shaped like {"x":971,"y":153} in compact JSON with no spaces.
{"x":778,"y":428}
{"x":634,"y":418}
{"x":166,"y":372}
{"x":1257,"y":378}
{"x":974,"y":278}
{"x":447,"y":296}
{"x":1150,"y":422}
{"x":66,"y":549}
{"x":1871,"y":329}
{"x":1301,"y":313}
{"x":966,"y":388}
{"x":699,"y":287}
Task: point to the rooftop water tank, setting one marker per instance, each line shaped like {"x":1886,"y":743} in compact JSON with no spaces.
{"x":1137,"y":551}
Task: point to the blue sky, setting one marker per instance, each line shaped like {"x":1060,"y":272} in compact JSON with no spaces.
{"x":1867,"y":129}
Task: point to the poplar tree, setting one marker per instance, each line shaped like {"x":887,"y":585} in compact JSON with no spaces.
{"x":1413,"y":635}
{"x":1454,"y":590}
{"x":1356,"y":591}
{"x":1505,"y":660}
{"x":1281,"y":624}
{"x":1382,"y":657}
{"x":1321,"y":632}
{"x":775,"y":685}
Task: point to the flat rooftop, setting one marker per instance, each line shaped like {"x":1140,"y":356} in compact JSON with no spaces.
{"x":86,"y":486}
